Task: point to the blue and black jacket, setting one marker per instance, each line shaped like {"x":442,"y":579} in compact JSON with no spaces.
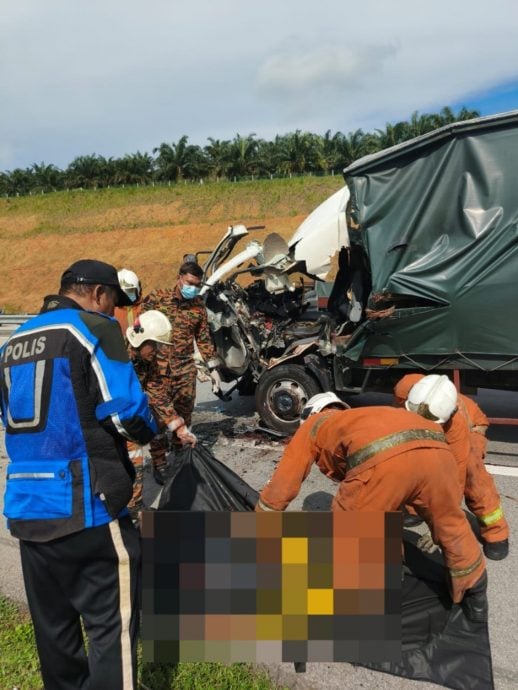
{"x":69,"y":400}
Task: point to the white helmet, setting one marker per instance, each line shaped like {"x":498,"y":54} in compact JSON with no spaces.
{"x":433,"y":397}
{"x":319,"y":402}
{"x":130,"y":284}
{"x":151,"y":325}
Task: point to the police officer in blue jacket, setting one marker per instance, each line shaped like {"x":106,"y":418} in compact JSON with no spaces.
{"x":69,"y":400}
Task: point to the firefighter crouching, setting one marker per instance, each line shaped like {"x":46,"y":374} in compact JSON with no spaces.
{"x":385,"y":458}
{"x":465,"y":433}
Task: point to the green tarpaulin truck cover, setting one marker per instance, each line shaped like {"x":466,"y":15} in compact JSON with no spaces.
{"x":438,"y":219}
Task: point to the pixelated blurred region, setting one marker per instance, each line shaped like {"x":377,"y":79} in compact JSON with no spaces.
{"x":271,"y":587}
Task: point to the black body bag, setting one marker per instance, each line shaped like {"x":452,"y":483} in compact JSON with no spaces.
{"x":439,"y":644}
{"x":200,"y":482}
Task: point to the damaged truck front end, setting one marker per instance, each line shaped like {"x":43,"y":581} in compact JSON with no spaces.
{"x":427,"y":239}
{"x":273,"y":341}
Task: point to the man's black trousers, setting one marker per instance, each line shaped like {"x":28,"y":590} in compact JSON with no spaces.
{"x":91,"y":575}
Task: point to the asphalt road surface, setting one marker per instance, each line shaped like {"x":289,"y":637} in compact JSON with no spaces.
{"x":228,"y":428}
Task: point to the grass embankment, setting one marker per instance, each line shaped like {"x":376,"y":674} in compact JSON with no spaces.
{"x":19,"y":666}
{"x":147,"y":229}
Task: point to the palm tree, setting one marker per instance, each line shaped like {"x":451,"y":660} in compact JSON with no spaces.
{"x":134,"y":168}
{"x":267,"y":157}
{"x":466,"y":114}
{"x":4,"y":183}
{"x":108,"y":169}
{"x":392,"y":134}
{"x":17,"y":181}
{"x":242,"y":156}
{"x":328,"y":145}
{"x":181,"y":160}
{"x":352,"y":146}
{"x":445,"y":116}
{"x":46,"y":178}
{"x":295,"y":152}
{"x":218,"y":156}
{"x":86,"y":171}
{"x":298,"y":152}
{"x":419,"y":124}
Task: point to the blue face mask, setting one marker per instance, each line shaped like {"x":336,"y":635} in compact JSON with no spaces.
{"x":189,"y":291}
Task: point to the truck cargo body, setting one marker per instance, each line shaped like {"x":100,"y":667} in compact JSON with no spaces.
{"x":437,"y":220}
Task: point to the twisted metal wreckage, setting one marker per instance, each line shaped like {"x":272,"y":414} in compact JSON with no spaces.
{"x":427,"y":261}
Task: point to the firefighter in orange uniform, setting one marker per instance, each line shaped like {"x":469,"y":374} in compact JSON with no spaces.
{"x":466,"y":436}
{"x":385,"y":458}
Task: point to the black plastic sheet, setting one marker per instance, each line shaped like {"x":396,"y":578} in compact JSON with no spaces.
{"x":199,"y":481}
{"x":439,"y":644}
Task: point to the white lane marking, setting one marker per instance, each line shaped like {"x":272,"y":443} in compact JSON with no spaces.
{"x":503,"y":470}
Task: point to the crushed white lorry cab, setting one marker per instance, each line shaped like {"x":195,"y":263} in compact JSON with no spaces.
{"x":427,"y":240}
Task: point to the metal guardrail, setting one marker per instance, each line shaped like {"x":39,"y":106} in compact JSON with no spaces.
{"x":14,"y":319}
{"x":9,"y":323}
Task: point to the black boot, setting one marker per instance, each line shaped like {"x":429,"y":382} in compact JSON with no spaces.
{"x":474,"y":603}
{"x":496,"y":550}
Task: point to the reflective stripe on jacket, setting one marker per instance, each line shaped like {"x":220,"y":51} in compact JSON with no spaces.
{"x":69,"y":398}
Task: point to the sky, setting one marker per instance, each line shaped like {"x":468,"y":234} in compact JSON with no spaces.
{"x":113,"y":77}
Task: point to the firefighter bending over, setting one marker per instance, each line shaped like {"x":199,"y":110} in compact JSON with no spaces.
{"x":465,"y":433}
{"x":385,"y":458}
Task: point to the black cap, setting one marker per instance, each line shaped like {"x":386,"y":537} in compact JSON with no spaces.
{"x":92,"y":272}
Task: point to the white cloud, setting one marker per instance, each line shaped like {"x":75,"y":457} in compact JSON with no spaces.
{"x":321,"y":69}
{"x":301,"y":75}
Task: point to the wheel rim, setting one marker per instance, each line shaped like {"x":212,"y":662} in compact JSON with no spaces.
{"x":286,"y":398}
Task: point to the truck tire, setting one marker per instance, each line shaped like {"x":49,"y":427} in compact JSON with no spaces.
{"x":280,"y":395}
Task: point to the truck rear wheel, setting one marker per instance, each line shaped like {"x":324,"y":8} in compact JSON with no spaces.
{"x":280,"y":395}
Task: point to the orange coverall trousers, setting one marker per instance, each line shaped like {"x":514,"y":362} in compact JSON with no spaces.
{"x":417,"y":470}
{"x":420,"y":478}
{"x":481,"y":494}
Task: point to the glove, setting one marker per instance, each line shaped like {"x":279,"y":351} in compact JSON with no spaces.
{"x":202,"y":372}
{"x":261,"y":507}
{"x":175,"y":424}
{"x":216,"y":381}
{"x":474,"y":603}
{"x":426,"y":544}
{"x":186,"y":437}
